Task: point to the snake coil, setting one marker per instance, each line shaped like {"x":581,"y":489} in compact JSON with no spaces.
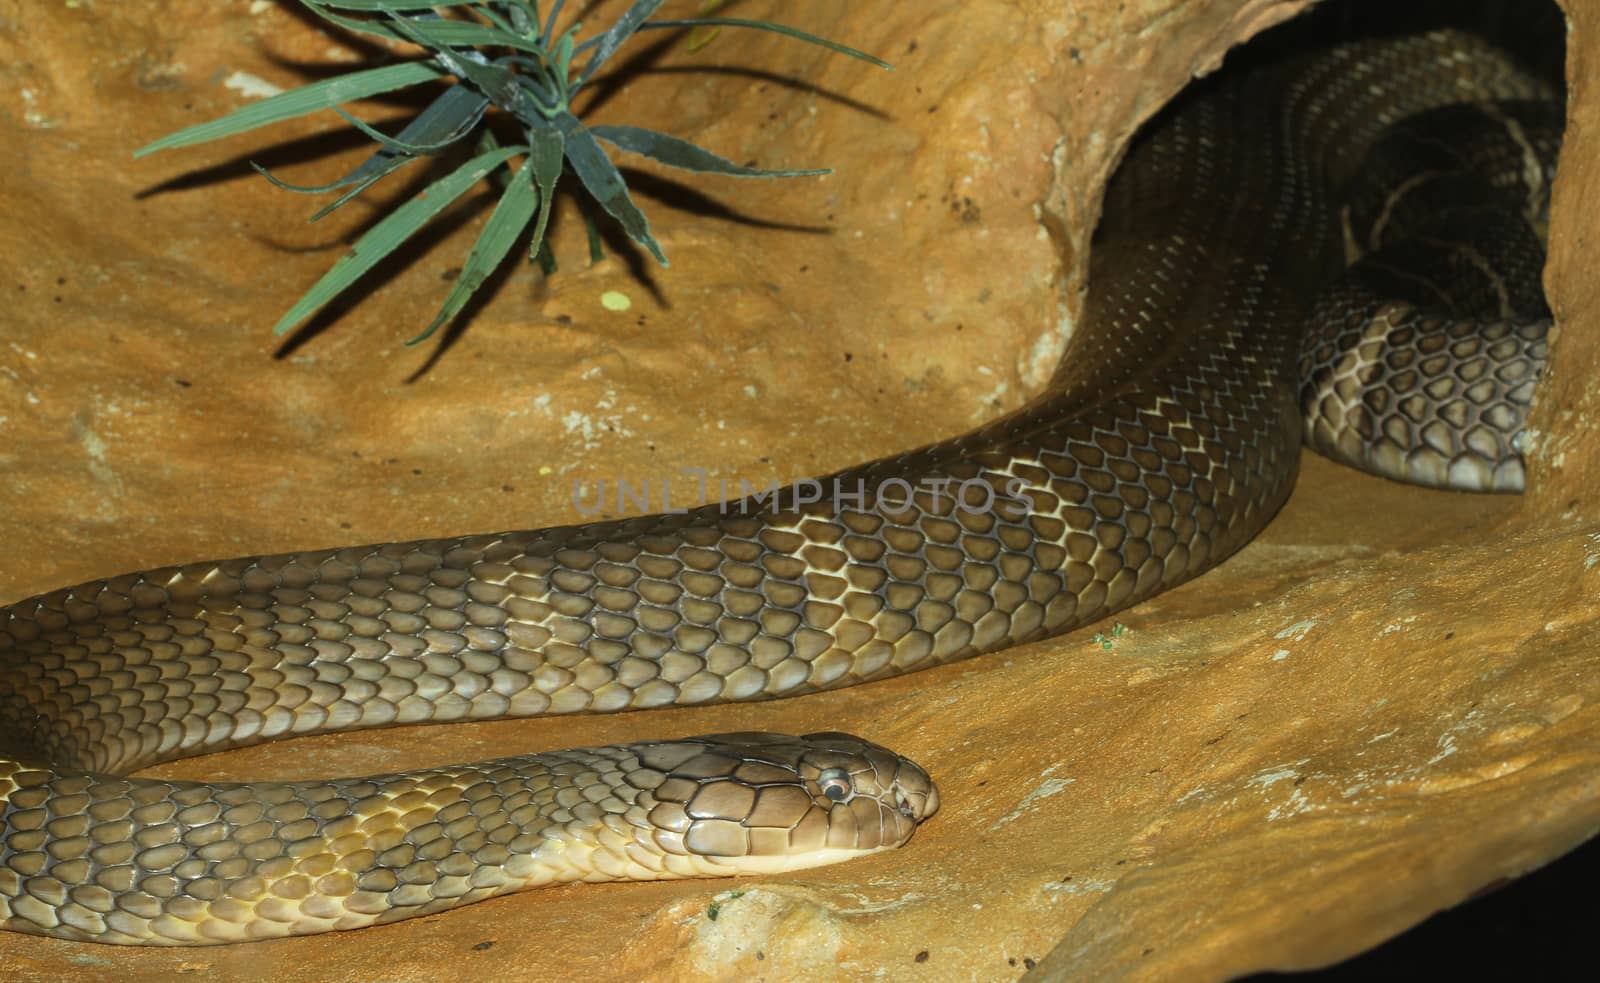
{"x":1167,"y":439}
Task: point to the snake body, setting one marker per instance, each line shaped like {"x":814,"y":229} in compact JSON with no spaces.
{"x":1167,"y":439}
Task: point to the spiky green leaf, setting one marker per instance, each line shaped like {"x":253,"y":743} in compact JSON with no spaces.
{"x":550,"y":23}
{"x":682,"y":154}
{"x":545,"y":160}
{"x":384,"y":6}
{"x":450,"y":116}
{"x":447,"y":118}
{"x":299,"y":102}
{"x":391,"y":164}
{"x":600,"y":178}
{"x":395,"y":228}
{"x":404,"y":148}
{"x":597,"y":246}
{"x":606,"y":43}
{"x":449,"y":32}
{"x":498,"y":84}
{"x":506,"y":222}
{"x":465,"y":34}
{"x":455,"y":111}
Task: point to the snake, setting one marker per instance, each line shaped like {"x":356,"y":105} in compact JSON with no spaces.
{"x":1166,"y":440}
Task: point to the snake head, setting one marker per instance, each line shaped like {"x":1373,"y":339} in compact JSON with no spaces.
{"x":763,"y":803}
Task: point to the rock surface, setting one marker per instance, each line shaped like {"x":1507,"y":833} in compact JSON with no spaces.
{"x":1389,"y":701}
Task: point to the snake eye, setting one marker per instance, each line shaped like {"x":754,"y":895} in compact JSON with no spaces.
{"x":835,"y":784}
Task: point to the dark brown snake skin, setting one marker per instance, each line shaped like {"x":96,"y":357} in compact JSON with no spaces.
{"x":1167,"y":440}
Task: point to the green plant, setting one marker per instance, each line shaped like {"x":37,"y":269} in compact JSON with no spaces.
{"x":714,"y":909}
{"x":502,"y":54}
{"x":1107,"y":641}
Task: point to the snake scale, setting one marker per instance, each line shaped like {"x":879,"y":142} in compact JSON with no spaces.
{"x":1166,"y":440}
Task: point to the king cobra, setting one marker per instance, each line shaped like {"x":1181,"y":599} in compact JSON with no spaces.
{"x":1167,"y":439}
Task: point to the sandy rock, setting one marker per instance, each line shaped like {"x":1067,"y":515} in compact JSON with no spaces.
{"x":1386,"y":703}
